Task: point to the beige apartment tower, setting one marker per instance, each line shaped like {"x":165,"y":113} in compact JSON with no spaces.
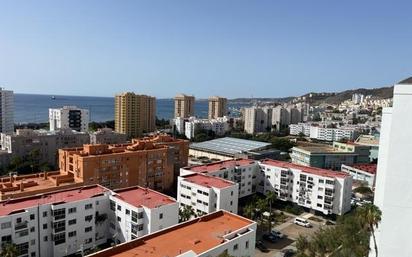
{"x":217,"y":107}
{"x":134,"y":114}
{"x":184,"y":106}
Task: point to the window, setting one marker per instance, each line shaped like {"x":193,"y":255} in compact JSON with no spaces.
{"x":6,"y":239}
{"x":32,"y":216}
{"x":72,"y":210}
{"x":112,"y":205}
{"x":32,"y":242}
{"x":59,"y":238}
{"x":119,"y":208}
{"x":45,"y":214}
{"x":321,"y":181}
{"x":231,"y":202}
{"x":32,"y":229}
{"x":319,"y":205}
{"x":320,"y":197}
{"x":59,"y":214}
{"x":88,"y":206}
{"x":235,"y":247}
{"x":45,"y":239}
{"x":88,"y":218}
{"x":59,"y":226}
{"x":127,"y":212}
{"x":72,"y":222}
{"x":247,"y":245}
{"x":231,"y":193}
{"x":161,"y":216}
{"x":45,"y":226}
{"x":119,"y":219}
{"x":88,"y":241}
{"x":140,"y":227}
{"x":88,"y":229}
{"x":134,"y":216}
{"x":6,"y":225}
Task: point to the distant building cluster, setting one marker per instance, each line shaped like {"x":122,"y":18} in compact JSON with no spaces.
{"x":323,"y":133}
{"x":268,"y":118}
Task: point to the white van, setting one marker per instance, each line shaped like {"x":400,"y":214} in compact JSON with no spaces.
{"x":302,"y":222}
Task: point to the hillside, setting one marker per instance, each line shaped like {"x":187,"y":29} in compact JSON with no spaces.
{"x":336,"y":98}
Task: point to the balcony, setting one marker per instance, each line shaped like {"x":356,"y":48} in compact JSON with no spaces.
{"x":21,"y":225}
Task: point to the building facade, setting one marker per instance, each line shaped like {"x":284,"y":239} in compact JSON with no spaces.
{"x":207,"y":194}
{"x":393,"y":191}
{"x":134,"y":114}
{"x":72,"y":221}
{"x":219,"y":126}
{"x":322,"y":190}
{"x":69,"y":117}
{"x":217,"y":107}
{"x":107,"y":136}
{"x":208,"y":236}
{"x":149,"y":162}
{"x":6,"y":111}
{"x":363,"y":173}
{"x":46,"y":143}
{"x":184,"y":106}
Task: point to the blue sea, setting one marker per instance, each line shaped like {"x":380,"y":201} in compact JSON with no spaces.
{"x":35,"y":108}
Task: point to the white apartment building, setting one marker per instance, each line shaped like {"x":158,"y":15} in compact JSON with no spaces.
{"x":364,"y":173}
{"x":322,"y":190}
{"x":179,"y":125}
{"x":244,"y":172}
{"x":296,"y":129}
{"x":74,"y":220}
{"x":207,"y":194}
{"x":393,"y":191}
{"x":207,"y":236}
{"x":333,"y":134}
{"x":69,"y":117}
{"x":219,"y":125}
{"x":258,"y":119}
{"x":6,"y":111}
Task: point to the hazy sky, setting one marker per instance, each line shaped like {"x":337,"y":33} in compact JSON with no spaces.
{"x":230,"y":48}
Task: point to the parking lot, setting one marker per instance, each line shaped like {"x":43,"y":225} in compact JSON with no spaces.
{"x":291,"y":232}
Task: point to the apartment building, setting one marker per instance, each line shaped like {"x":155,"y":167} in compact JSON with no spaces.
{"x":219,"y":126}
{"x":393,"y":189}
{"x":134,"y":114}
{"x":322,"y":190}
{"x":207,"y":236}
{"x":107,"y":136}
{"x":69,"y":117}
{"x":300,"y":128}
{"x":207,"y":194}
{"x":151,"y":162}
{"x":244,"y":172}
{"x":6,"y":111}
{"x":184,"y":106}
{"x":362,"y":151}
{"x":333,"y":134}
{"x":71,"y":221}
{"x":24,"y":141}
{"x":217,"y":107}
{"x":362,"y":173}
{"x":257,"y":119}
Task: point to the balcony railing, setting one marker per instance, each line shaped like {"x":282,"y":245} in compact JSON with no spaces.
{"x":21,"y":225}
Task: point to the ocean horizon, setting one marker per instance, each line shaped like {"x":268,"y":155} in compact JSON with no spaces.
{"x":34,"y":108}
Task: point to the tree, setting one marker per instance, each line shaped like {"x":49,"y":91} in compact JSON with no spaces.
{"x":9,"y":250}
{"x":185,"y":213}
{"x":225,"y":254}
{"x":248,"y":211}
{"x":370,"y":216}
{"x":270,"y":198}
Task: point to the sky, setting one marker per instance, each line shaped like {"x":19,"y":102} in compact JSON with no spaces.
{"x":232,"y":48}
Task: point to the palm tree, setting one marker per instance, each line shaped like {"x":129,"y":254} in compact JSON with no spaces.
{"x":186,"y":213}
{"x":370,"y":215}
{"x":270,"y":198}
{"x":9,"y":250}
{"x":249,"y":211}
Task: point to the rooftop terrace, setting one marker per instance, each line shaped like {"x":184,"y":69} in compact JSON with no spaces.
{"x":139,"y":196}
{"x":182,"y":238}
{"x":208,"y":181}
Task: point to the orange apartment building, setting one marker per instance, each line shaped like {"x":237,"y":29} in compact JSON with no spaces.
{"x":151,"y":162}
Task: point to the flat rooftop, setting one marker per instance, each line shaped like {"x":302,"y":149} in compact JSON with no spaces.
{"x":198,"y":235}
{"x":139,"y":196}
{"x":212,"y":167}
{"x":229,"y":145}
{"x":321,"y":149}
{"x":367,"y":167}
{"x":64,"y":196}
{"x":208,"y":181}
{"x":305,"y":169}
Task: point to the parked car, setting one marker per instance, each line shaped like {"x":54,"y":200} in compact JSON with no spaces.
{"x":271,"y":238}
{"x":302,"y":222}
{"x":261,"y":246}
{"x":286,"y":253}
{"x":277,"y":233}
